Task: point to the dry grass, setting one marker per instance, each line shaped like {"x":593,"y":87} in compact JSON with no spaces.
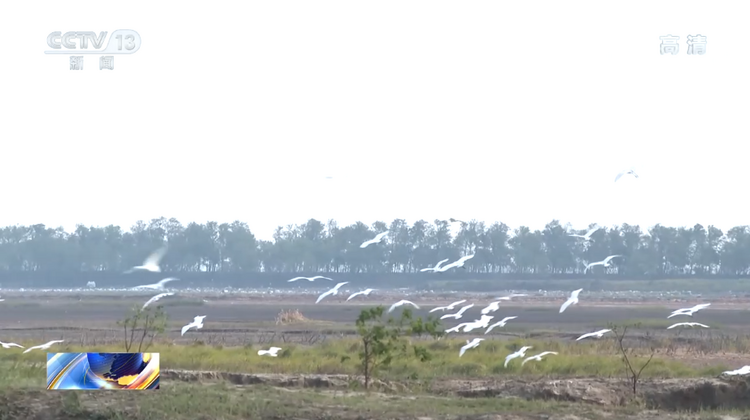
{"x":288,"y":316}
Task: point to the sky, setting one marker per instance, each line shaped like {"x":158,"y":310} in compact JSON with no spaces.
{"x":520,"y":112}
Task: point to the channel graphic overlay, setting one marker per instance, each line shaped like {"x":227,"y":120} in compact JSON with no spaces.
{"x":102,"y":370}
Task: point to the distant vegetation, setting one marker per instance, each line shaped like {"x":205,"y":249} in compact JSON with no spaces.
{"x":212,"y":249}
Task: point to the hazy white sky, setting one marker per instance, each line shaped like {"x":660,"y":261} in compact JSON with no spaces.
{"x":521,"y":112}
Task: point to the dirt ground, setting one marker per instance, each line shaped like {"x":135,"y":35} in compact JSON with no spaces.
{"x":235,"y":320}
{"x":664,"y":394}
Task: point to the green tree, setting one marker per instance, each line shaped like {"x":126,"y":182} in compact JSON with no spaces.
{"x":383,"y":338}
{"x":314,"y":247}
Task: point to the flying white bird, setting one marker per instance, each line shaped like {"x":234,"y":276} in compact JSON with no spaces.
{"x":197,"y":323}
{"x":43,"y":346}
{"x":572,"y":300}
{"x":492,"y":307}
{"x":157,"y":286}
{"x":365,"y":292}
{"x":604,"y":263}
{"x":435,"y":268}
{"x":587,"y":236}
{"x":538,"y":357}
{"x":376,"y":240}
{"x":91,"y":284}
{"x":687,"y":324}
{"x":744,"y":370}
{"x":152,"y":262}
{"x":500,"y":323}
{"x":689,"y":311}
{"x":458,"y":314}
{"x":155,"y":298}
{"x":511,"y":296}
{"x":270,"y":352}
{"x":628,"y":172}
{"x":331,"y":292}
{"x":470,"y":345}
{"x":484,"y":321}
{"x":449,"y":307}
{"x":9,"y":345}
{"x":458,"y":327}
{"x":309,"y":278}
{"x":402,"y":302}
{"x":479,"y":323}
{"x":519,"y":353}
{"x":597,"y":334}
{"x":455,"y":264}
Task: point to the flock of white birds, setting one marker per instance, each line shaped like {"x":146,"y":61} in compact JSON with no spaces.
{"x":152,"y":264}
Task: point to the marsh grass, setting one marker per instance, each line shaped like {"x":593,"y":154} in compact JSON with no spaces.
{"x":593,"y":358}
{"x":23,"y":373}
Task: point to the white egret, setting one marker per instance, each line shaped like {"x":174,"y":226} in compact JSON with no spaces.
{"x":157,"y":286}
{"x":435,"y":268}
{"x":689,"y":311}
{"x":400,"y":303}
{"x":455,"y":264}
{"x":44,"y":346}
{"x":628,"y":172}
{"x":458,"y":314}
{"x":197,"y":323}
{"x":470,"y":345}
{"x":500,"y":323}
{"x":572,"y":300}
{"x":458,"y":327}
{"x":9,"y":345}
{"x":331,"y":292}
{"x":587,"y":236}
{"x":365,"y":292}
{"x":270,"y":352}
{"x":483,"y":322}
{"x":309,"y":278}
{"x":744,"y":370}
{"x":597,"y":334}
{"x":687,"y":324}
{"x":492,"y":307}
{"x":603,"y":263}
{"x":377,"y":239}
{"x":511,"y":296}
{"x":449,"y":307}
{"x":538,"y":357}
{"x":155,"y":298}
{"x":520,"y":353}
{"x":152,"y":262}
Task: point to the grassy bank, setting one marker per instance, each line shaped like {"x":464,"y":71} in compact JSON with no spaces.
{"x":218,"y":401}
{"x":592,"y":358}
{"x":204,"y":401}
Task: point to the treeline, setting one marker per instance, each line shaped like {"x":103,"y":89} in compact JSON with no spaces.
{"x":316,"y":247}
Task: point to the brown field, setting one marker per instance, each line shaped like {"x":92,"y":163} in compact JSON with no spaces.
{"x":88,"y":320}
